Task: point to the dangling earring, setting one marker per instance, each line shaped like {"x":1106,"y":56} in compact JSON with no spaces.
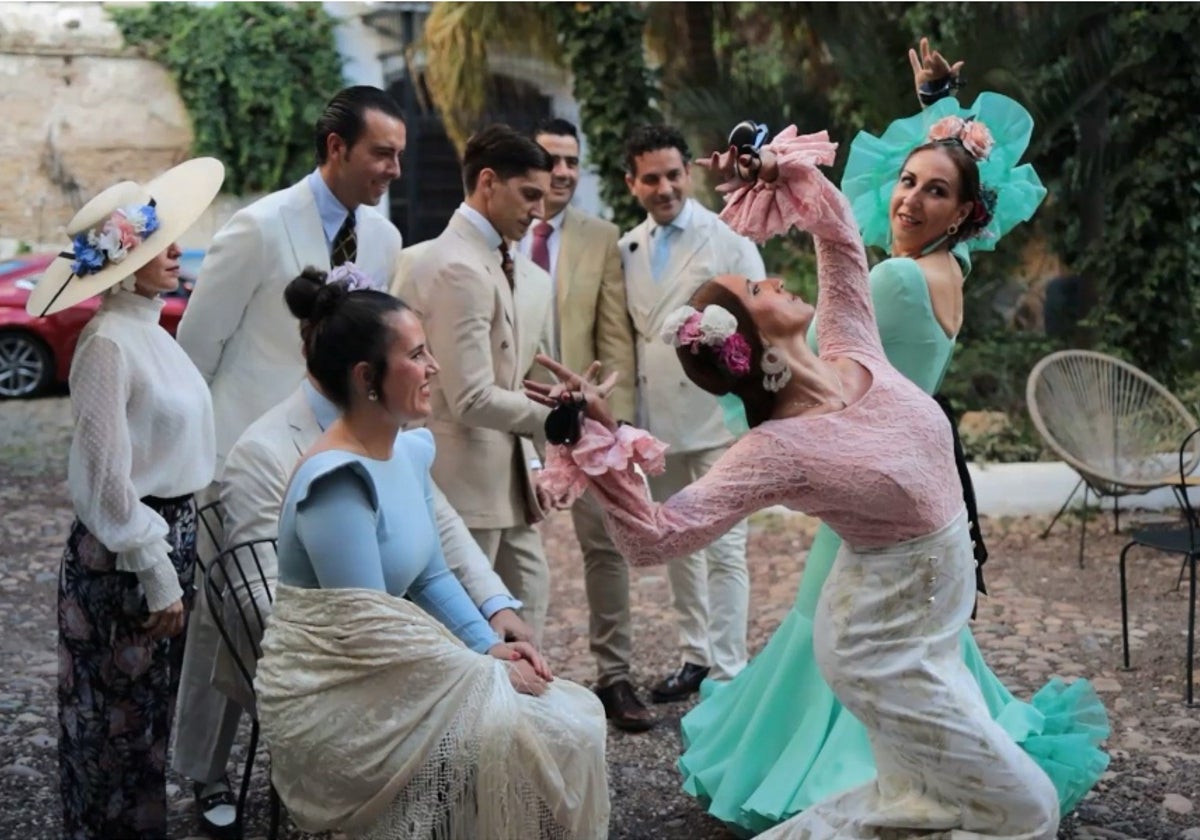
{"x":775,"y":369}
{"x":953,"y":229}
{"x":373,"y":395}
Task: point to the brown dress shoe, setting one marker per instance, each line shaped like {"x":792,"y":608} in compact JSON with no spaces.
{"x":624,"y":709}
{"x":680,"y":684}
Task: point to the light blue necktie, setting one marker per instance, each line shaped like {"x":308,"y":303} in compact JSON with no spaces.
{"x":661,"y":254}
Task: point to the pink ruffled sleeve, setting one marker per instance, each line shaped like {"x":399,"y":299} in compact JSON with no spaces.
{"x":803,"y":198}
{"x":646,"y":533}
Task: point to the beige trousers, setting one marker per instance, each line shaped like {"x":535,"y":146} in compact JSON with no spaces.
{"x":518,"y":557}
{"x":206,"y":720}
{"x":711,"y":588}
{"x":606,"y":580}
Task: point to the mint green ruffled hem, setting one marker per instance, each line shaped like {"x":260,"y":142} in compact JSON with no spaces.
{"x":775,"y":740}
{"x":874,"y":164}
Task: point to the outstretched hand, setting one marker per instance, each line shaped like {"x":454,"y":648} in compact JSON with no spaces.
{"x":930,"y":66}
{"x":574,"y":386}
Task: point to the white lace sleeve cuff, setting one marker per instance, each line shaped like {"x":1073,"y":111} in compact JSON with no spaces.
{"x":160,"y":582}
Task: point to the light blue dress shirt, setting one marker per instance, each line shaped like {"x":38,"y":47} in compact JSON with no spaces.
{"x":332,"y":212}
{"x":663,"y":236}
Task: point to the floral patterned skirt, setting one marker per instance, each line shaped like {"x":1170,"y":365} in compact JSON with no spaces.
{"x":116,"y":686}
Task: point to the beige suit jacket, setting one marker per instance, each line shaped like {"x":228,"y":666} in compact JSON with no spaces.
{"x":593,"y":316}
{"x":669,"y":406}
{"x":252,"y":487}
{"x":237,"y":329}
{"x":484,"y":337}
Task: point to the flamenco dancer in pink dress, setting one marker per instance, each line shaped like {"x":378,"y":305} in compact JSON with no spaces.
{"x":843,"y":436}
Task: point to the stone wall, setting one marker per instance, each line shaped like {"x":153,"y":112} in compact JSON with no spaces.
{"x":81,"y":111}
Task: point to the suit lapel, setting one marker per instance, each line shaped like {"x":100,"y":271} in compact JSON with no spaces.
{"x":570,"y":253}
{"x":488,"y":261}
{"x":301,"y":421}
{"x":302,"y":223}
{"x":641,"y":291}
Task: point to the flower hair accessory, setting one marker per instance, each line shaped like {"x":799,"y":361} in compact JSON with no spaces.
{"x":972,"y":134}
{"x":110,"y":242}
{"x":715,"y":327}
{"x":351,"y":276}
{"x":1011,"y":191}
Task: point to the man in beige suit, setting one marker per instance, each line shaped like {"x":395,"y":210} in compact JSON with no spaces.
{"x":666,"y":258}
{"x":485,"y":318}
{"x":253,"y":484}
{"x":591,"y":322}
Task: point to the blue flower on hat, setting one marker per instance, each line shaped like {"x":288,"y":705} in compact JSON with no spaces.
{"x":88,"y":258}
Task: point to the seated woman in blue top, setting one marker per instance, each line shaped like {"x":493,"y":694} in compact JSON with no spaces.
{"x":390,"y":705}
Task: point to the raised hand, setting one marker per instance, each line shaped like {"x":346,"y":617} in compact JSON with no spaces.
{"x":572,"y":385}
{"x":737,"y":169}
{"x":930,"y":66}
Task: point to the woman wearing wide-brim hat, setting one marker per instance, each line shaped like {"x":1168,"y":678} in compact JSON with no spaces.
{"x":143,"y":444}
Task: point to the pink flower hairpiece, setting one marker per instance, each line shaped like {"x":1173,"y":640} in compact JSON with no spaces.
{"x":974,"y":136}
{"x":351,"y":276}
{"x":715,"y":327}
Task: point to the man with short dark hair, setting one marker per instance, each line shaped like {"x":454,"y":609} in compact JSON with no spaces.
{"x":486,"y":312}
{"x":242,"y":338}
{"x":679,"y":246}
{"x":591,"y":323}
{"x":236,"y":328}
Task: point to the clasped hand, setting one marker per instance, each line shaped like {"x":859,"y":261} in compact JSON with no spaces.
{"x":528,"y":671}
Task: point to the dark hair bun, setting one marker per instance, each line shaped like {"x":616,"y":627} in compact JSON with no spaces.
{"x":310,"y":298}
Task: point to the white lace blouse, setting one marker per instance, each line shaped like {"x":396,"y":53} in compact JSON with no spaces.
{"x":143,"y":427}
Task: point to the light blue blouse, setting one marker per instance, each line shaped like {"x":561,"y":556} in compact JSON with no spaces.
{"x":352,"y":522}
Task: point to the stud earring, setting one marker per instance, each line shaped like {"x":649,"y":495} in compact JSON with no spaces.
{"x":775,"y":369}
{"x":373,"y":395}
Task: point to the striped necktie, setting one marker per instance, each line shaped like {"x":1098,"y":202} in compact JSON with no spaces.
{"x":345,"y":244}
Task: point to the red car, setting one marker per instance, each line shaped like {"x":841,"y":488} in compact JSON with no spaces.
{"x":35,"y":353}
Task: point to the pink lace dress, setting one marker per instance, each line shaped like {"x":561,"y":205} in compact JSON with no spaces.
{"x":881,"y":473}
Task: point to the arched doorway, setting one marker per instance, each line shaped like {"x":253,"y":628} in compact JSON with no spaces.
{"x":426,"y":195}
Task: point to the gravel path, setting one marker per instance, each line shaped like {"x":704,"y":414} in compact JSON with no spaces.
{"x":1045,"y":617}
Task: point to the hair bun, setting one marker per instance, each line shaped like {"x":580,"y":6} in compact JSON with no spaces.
{"x":310,"y":298}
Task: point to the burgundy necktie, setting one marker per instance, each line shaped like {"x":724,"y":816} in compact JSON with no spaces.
{"x":506,"y":265}
{"x":541,"y":245}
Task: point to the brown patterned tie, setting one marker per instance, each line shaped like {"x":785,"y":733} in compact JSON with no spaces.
{"x":506,"y":265}
{"x":345,"y":244}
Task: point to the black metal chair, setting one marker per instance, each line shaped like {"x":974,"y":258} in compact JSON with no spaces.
{"x":212,"y":519}
{"x":1183,"y":540}
{"x":231,"y":573}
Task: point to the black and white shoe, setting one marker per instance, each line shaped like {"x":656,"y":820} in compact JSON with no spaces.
{"x":217,"y":809}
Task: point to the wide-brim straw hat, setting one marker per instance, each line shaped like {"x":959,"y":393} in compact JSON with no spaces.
{"x":179,"y":197}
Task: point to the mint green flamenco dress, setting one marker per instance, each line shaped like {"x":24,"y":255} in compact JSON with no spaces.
{"x":775,"y":740}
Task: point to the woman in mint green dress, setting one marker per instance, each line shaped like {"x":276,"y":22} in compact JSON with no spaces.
{"x":774,"y":740}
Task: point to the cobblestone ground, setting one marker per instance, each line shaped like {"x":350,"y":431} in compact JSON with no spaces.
{"x":1045,"y":617}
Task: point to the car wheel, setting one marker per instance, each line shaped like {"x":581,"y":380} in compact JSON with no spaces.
{"x":26,"y":365}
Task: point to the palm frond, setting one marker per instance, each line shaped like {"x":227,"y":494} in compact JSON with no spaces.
{"x":459,"y":43}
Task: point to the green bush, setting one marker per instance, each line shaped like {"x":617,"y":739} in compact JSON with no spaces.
{"x":254,"y":78}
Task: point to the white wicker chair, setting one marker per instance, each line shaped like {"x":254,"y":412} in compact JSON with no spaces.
{"x":1114,"y":425}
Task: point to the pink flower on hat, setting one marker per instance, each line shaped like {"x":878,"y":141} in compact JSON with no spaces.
{"x":947,"y":128}
{"x":977,"y":139}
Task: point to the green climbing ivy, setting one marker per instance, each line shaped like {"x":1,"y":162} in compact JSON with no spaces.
{"x":602,"y":43}
{"x":253,"y":76}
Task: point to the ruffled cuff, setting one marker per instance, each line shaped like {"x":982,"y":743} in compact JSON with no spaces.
{"x":762,"y":210}
{"x":160,"y":583}
{"x":143,"y":557}
{"x":598,"y":451}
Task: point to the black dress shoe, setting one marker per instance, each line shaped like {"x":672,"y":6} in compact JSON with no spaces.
{"x":680,"y":684}
{"x":624,"y":709}
{"x":216,"y":809}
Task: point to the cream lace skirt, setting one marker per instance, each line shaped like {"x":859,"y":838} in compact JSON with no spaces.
{"x":886,"y":638}
{"x":381,"y":724}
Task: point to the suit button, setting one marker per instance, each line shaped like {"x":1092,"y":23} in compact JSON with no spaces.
{"x":503,"y":345}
